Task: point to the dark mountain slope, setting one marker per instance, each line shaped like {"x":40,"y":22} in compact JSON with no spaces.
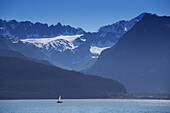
{"x":16,"y":45}
{"x":141,"y":58}
{"x":9,"y":53}
{"x":21,"y":78}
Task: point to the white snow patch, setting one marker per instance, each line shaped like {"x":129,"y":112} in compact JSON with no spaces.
{"x":62,"y":41}
{"x":94,"y":56}
{"x":83,"y":39}
{"x":125,"y":29}
{"x":69,"y":38}
{"x":15,"y":41}
{"x":97,"y":50}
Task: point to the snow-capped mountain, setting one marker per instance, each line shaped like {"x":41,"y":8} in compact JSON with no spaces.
{"x":59,"y":43}
{"x":63,"y":45}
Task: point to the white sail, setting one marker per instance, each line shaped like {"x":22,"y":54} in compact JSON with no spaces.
{"x":59,"y":98}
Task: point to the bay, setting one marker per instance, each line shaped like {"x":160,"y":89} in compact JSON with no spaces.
{"x":85,"y":106}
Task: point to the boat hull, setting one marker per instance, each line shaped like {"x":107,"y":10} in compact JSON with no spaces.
{"x":59,"y":101}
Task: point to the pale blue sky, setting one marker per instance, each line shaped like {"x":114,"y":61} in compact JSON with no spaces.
{"x":87,"y":14}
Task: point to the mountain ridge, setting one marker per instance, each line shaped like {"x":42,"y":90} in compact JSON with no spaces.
{"x":27,"y":29}
{"x":140,"y":58}
{"x":78,"y":54}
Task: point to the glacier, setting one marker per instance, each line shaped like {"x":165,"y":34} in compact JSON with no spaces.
{"x":65,"y":40}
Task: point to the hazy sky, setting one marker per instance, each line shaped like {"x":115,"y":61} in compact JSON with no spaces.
{"x":87,"y":14}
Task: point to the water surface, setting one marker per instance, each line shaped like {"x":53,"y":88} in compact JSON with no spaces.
{"x":85,"y":106}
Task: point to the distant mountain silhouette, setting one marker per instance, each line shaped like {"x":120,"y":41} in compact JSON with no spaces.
{"x":22,"y":78}
{"x":141,"y":58}
{"x":26,"y":29}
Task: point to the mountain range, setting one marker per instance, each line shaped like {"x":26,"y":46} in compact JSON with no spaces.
{"x":135,"y":52}
{"x":62,"y":45}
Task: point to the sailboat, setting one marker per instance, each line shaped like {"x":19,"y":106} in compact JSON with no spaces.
{"x":59,"y":100}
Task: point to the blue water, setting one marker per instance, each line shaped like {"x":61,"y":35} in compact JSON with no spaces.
{"x":85,"y":106}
